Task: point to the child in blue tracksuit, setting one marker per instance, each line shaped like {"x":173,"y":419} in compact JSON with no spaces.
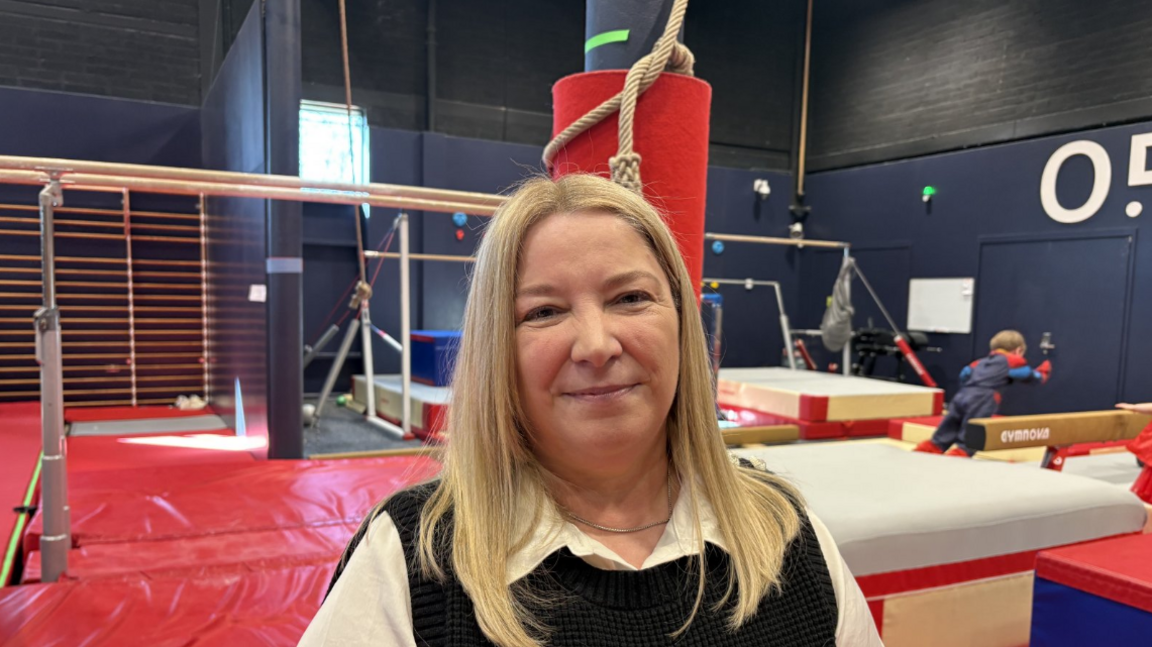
{"x":979,"y":396}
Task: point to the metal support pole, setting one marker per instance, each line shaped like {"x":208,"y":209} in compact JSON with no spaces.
{"x":405,"y":330}
{"x":366,"y":354}
{"x":57,"y":537}
{"x":334,"y":372}
{"x":785,"y":326}
{"x":311,"y":351}
{"x":846,"y":360}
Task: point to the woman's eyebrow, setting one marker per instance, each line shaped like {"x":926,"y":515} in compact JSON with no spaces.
{"x":537,"y":290}
{"x":624,"y":278}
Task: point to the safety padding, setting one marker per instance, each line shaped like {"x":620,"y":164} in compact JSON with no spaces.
{"x":231,"y":552}
{"x":748,"y":418}
{"x":1119,"y":569}
{"x":20,"y":444}
{"x":150,"y":504}
{"x":1063,"y":616}
{"x":1054,"y":429}
{"x":270,"y":607}
{"x":913,"y":430}
{"x":94,"y":453}
{"x":670,"y":134}
{"x":817,"y":397}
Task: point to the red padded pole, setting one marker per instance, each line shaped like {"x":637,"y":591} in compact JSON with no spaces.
{"x":671,"y":136}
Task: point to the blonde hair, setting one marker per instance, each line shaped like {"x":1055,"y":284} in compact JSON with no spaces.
{"x":1007,"y":340}
{"x":489,"y":465}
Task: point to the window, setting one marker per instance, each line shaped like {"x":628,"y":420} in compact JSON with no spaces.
{"x":328,"y":151}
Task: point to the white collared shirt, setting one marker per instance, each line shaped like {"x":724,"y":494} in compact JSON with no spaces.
{"x":371,"y":605}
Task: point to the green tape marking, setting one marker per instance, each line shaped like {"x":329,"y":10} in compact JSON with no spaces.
{"x":618,"y":36}
{"x":14,"y":541}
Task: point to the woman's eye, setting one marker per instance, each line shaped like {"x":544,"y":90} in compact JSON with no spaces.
{"x":539,"y":314}
{"x":634,"y":297}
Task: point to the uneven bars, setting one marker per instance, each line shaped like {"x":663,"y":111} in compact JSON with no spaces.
{"x":85,"y":182}
{"x":65,"y":167}
{"x":450,"y":258}
{"x":768,"y":240}
{"x":785,"y":325}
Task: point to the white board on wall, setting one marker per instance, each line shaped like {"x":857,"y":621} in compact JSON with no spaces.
{"x":941,"y":305}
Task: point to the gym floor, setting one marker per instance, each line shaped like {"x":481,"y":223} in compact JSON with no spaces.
{"x":343,"y":430}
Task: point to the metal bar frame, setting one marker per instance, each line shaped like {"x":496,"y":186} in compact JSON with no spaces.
{"x":784,"y":324}
{"x":800,"y":243}
{"x":58,"y":175}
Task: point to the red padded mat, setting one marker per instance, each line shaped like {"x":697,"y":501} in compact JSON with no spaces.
{"x":93,"y":453}
{"x":148,"y":504}
{"x":1117,"y":569}
{"x":266,"y":608}
{"x":20,"y":448}
{"x":236,"y":552}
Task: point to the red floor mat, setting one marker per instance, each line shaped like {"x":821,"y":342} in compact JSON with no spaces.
{"x":238,"y":552}
{"x":102,"y":414}
{"x":266,"y":608}
{"x":95,"y":453}
{"x":20,"y":447}
{"x":150,"y":504}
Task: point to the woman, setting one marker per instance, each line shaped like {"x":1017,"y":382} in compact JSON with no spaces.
{"x":587,"y":497}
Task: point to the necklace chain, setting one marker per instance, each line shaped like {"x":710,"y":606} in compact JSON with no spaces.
{"x":597,"y":526}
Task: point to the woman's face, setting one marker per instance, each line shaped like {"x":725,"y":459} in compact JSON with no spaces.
{"x":597,"y":341}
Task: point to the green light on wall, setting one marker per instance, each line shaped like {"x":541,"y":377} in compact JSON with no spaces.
{"x":927,"y":194}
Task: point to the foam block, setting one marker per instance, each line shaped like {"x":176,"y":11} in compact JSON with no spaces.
{"x":429,"y":403}
{"x":824,"y":397}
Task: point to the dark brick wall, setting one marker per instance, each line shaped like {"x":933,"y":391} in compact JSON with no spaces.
{"x":748,"y":51}
{"x":895,"y":78}
{"x":136,"y":49}
{"x":497,"y":61}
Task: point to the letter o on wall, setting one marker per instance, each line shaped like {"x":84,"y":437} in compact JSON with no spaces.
{"x":1102,"y":168}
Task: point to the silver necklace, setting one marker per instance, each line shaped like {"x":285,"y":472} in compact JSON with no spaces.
{"x":597,"y":526}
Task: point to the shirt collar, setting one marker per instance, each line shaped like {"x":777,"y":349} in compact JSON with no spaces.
{"x":555,"y":532}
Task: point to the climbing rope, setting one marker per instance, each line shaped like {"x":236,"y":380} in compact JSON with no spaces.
{"x":667,"y":54}
{"x":363,"y":288}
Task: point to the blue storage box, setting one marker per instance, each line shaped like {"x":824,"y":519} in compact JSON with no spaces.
{"x":433,"y":355}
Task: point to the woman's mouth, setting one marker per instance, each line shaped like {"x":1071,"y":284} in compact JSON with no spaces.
{"x":601,"y":393}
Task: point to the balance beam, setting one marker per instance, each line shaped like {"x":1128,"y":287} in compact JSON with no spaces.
{"x":1054,"y":430}
{"x":767,"y":435}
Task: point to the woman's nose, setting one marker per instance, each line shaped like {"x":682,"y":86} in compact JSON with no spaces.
{"x":595,"y":342}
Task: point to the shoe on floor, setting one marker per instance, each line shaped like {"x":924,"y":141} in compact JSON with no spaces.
{"x":928,"y":447}
{"x":956,"y":451}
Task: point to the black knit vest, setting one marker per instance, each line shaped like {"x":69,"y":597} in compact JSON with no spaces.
{"x":598,"y":608}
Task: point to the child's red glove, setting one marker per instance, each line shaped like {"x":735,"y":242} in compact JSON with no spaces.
{"x":1045,"y":371}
